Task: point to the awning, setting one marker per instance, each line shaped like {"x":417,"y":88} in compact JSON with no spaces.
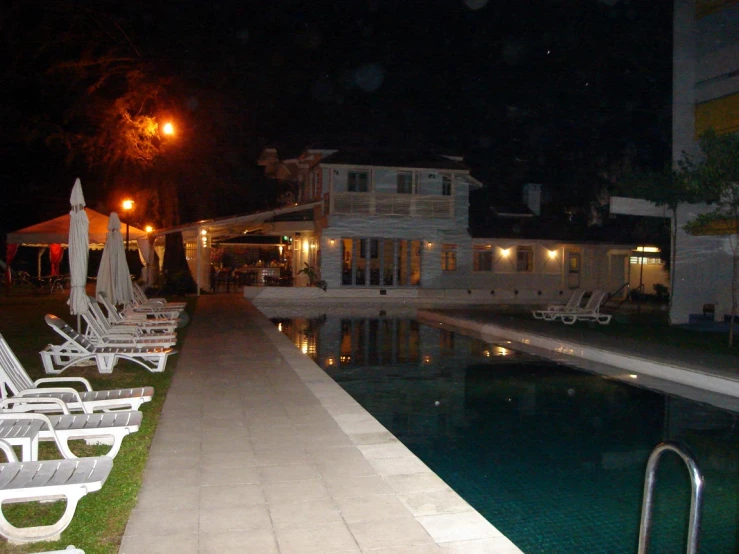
{"x":56,"y":231}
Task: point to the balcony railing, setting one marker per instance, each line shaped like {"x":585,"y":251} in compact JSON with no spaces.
{"x":409,"y":205}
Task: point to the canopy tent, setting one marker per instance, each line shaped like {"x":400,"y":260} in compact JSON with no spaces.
{"x":56,"y":231}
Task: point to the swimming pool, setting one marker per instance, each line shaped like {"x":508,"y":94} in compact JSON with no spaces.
{"x":552,"y":456}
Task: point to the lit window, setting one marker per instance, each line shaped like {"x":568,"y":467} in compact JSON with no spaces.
{"x":449,"y":257}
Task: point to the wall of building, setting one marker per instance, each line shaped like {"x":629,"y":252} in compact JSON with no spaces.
{"x":705,"y":89}
{"x":602,"y":266}
{"x":705,"y":72}
{"x":432,"y":232}
{"x":702,"y":270}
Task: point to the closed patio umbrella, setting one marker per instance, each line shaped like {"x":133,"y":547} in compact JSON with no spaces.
{"x":79,"y":245}
{"x":114,"y":277}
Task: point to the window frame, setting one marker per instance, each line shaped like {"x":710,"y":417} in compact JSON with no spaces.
{"x":353,"y":182}
{"x":446,"y":184}
{"x":484,"y":254}
{"x":408,"y":184}
{"x":528,"y":265}
{"x":449,"y":257}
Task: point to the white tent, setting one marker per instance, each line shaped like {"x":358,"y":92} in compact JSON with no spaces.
{"x":56,"y":231}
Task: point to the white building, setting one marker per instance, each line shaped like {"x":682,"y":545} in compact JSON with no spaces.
{"x":705,"y":95}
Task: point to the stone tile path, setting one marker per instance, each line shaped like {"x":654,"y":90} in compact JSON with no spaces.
{"x":258,"y":450}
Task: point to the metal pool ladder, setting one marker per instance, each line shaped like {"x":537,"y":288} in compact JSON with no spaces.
{"x":696,"y":499}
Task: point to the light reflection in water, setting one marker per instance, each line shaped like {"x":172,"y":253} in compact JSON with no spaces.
{"x":383,"y":341}
{"x":506,"y":430}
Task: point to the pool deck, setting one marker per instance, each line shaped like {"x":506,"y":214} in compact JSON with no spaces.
{"x":700,"y":376}
{"x":258,"y":450}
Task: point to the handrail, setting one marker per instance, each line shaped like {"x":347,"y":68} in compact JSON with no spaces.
{"x":696,"y":499}
{"x":612,"y":295}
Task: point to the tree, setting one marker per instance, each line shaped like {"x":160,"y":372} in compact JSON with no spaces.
{"x":670,"y":187}
{"x":99,"y":96}
{"x":714,"y":179}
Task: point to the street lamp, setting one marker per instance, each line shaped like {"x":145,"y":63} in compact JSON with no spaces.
{"x":168,"y":129}
{"x":127,"y":206}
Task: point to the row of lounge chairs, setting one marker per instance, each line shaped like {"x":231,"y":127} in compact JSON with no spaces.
{"x":144,"y":333}
{"x":574,"y":310}
{"x":51,"y":409}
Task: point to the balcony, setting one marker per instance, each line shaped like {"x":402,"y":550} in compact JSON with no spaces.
{"x":383,"y":204}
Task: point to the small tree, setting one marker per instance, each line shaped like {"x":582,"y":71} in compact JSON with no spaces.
{"x":670,"y":188}
{"x":714,"y":178}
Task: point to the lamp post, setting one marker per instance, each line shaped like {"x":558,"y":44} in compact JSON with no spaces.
{"x":127,"y":206}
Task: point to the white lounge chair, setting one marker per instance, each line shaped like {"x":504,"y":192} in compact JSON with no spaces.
{"x":47,"y":480}
{"x":15,"y":381}
{"x":156,"y":309}
{"x":20,"y":428}
{"x":77,"y":348}
{"x":572,"y":303}
{"x":101,"y":333}
{"x":146,"y":324}
{"x":590,"y":312}
{"x":140,"y":298}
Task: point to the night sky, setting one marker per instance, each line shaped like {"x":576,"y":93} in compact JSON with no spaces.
{"x":564,"y":93}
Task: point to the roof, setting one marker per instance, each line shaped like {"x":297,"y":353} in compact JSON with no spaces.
{"x":420,"y":160}
{"x":225,"y":227}
{"x":621,"y":230}
{"x":56,"y":231}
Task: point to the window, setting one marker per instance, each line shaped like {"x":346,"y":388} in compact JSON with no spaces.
{"x":373,"y":248}
{"x":446,"y":184}
{"x":357,"y":181}
{"x":405,"y":182}
{"x":449,"y":257}
{"x":574,"y":262}
{"x":482,"y":258}
{"x":524,"y":259}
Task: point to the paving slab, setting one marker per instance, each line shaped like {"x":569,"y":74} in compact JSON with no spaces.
{"x":258,"y":450}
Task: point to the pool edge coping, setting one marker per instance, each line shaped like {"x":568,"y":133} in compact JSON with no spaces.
{"x":682,"y":375}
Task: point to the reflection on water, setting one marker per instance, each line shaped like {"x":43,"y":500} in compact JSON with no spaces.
{"x":353,"y":342}
{"x":552,"y":456}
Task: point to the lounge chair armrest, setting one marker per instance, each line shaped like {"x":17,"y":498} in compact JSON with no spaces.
{"x":129,"y":331}
{"x":82,"y":380}
{"x":61,"y":390}
{"x":21,"y":401}
{"x":38,"y":417}
{"x":8,"y":450}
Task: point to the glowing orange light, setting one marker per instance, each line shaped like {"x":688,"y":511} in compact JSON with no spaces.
{"x":168,"y":129}
{"x":128,"y":205}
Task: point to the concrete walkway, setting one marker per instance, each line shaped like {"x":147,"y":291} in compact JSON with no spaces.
{"x":258,"y":450}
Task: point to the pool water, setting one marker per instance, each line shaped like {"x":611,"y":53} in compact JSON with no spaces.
{"x":552,"y":456}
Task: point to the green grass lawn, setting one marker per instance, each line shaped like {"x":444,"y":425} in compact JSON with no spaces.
{"x":101,"y":517}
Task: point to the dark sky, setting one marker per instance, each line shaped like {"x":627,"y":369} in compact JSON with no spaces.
{"x":550,"y":91}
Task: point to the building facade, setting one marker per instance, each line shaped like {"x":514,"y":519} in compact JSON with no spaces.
{"x":705,"y":95}
{"x":396,"y":224}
